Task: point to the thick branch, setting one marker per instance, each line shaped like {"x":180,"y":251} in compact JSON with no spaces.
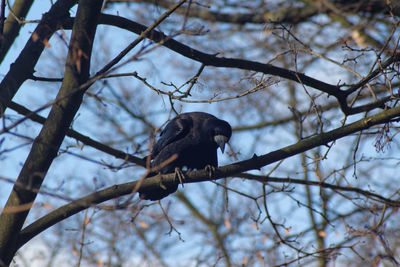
{"x":286,"y":14}
{"x":45,"y":147}
{"x":11,"y":26}
{"x":213,"y":60}
{"x":256,"y":162}
{"x":283,"y":15}
{"x":23,"y":68}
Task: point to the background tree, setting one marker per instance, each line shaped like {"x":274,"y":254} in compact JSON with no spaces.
{"x":310,"y":88}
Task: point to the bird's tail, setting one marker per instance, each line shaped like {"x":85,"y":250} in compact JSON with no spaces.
{"x":157,"y":191}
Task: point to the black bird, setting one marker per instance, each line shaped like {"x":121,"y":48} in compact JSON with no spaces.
{"x":194,"y":138}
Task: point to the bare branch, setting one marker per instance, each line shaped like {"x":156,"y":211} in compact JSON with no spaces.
{"x":254,"y":163}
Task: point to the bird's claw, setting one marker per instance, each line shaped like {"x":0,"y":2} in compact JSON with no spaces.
{"x":211,"y":170}
{"x":179,"y":174}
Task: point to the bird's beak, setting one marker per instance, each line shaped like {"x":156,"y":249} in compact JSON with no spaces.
{"x":221,"y":141}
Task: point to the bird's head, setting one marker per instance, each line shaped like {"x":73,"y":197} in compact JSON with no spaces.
{"x":221,"y":133}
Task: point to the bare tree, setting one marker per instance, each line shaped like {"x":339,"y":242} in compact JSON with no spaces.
{"x":310,"y":88}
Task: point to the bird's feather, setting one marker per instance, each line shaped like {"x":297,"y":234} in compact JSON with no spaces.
{"x":191,"y":137}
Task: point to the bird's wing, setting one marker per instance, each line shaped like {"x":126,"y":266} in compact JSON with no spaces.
{"x":175,"y":130}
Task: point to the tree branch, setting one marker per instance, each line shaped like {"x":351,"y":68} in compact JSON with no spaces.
{"x":257,"y":162}
{"x":80,"y":137}
{"x":23,"y":67}
{"x":213,"y":60}
{"x":368,"y":194}
{"x":286,"y":14}
{"x":11,"y":26}
{"x":46,"y":145}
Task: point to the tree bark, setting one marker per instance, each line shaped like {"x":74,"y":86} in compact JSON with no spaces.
{"x":11,"y":26}
{"x":46,"y":145}
{"x":23,"y":67}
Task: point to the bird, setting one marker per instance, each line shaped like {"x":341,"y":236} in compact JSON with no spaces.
{"x":194,"y":139}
